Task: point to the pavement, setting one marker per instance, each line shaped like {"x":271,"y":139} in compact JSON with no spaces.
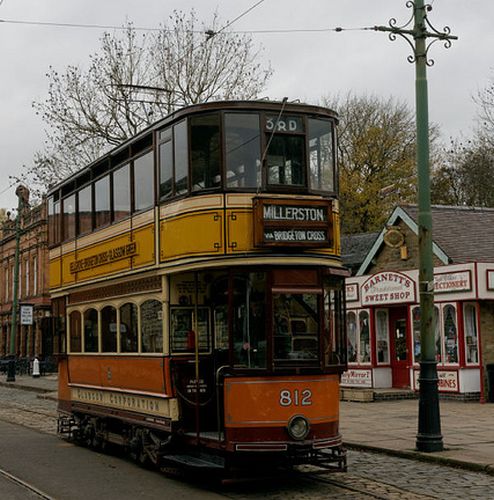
{"x":383,"y":426}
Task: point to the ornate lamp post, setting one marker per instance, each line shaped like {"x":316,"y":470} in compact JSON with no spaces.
{"x":429,"y":438}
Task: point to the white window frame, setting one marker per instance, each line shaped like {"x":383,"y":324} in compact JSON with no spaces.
{"x":476,"y":324}
{"x":376,"y":323}
{"x":358,"y":332}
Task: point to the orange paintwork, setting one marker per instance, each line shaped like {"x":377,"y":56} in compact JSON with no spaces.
{"x":146,"y":374}
{"x":260,"y":401}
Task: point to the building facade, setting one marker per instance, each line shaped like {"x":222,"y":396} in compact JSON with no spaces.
{"x":33,"y":325}
{"x":383,"y":312}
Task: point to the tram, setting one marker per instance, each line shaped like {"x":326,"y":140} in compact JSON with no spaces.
{"x":197,"y":284}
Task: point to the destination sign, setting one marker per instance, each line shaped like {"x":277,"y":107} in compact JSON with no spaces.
{"x":284,"y":222}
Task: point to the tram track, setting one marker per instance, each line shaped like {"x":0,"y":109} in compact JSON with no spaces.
{"x":25,"y":485}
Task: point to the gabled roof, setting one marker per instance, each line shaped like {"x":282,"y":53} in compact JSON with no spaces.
{"x":354,"y":248}
{"x":460,"y":234}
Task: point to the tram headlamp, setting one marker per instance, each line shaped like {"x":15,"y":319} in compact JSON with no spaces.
{"x":298,"y":427}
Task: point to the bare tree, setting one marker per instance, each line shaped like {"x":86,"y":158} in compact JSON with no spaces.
{"x":134,"y":80}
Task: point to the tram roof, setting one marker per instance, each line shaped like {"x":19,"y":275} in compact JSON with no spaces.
{"x":254,"y":105}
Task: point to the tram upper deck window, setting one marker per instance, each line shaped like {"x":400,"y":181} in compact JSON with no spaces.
{"x":102,"y":209}
{"x":242,"y":150}
{"x":205,"y":151}
{"x":84,"y":210}
{"x":321,"y":163}
{"x":181,"y":157}
{"x":54,"y":220}
{"x":69,"y":217}
{"x":121,"y":193}
{"x":144,"y":182}
{"x":166,"y":163}
{"x":285,"y":158}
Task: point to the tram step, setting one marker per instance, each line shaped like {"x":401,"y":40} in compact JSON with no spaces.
{"x":202,"y":462}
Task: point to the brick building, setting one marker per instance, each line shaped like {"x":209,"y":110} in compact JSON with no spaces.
{"x":383,"y":312}
{"x":35,"y":338}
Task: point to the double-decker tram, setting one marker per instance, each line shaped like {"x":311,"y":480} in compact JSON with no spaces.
{"x":195,"y":273}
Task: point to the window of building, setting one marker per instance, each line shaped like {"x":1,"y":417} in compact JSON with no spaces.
{"x":6,"y":273}
{"x":128,"y":328}
{"x":166,"y":163}
{"x":121,"y":193}
{"x":85,"y":210}
{"x":75,"y":342}
{"x":382,"y":336}
{"x":450,"y":333}
{"x":205,"y":151}
{"x":102,"y":207}
{"x":19,"y":290}
{"x":358,"y":337}
{"x":69,"y":226}
{"x":181,"y":157}
{"x":151,"y":326}
{"x":242,"y":150}
{"x":35,"y":275}
{"x":471,"y":333}
{"x":91,"y":330}
{"x":321,"y":155}
{"x":109,"y":329}
{"x":27,"y":278}
{"x":144,"y":182}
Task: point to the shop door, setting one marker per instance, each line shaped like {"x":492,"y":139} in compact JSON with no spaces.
{"x":399,"y":346}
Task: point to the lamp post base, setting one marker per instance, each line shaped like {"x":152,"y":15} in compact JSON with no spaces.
{"x":11,"y":371}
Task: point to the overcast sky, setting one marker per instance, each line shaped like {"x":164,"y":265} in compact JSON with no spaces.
{"x":306,"y":66}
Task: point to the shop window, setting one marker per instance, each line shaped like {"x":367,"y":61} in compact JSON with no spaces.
{"x":364,"y":351}
{"x":205,"y":151}
{"x":109,"y":329}
{"x":186,"y":329}
{"x":128,"y":328}
{"x":242,"y":150}
{"x":471,"y":335}
{"x":450,"y":334}
{"x":321,"y":155}
{"x":91,"y":330}
{"x":75,"y":331}
{"x":151,"y":326}
{"x":352,"y":345}
{"x":84,"y":210}
{"x":249,"y":320}
{"x":445,"y":334}
{"x":382,"y":336}
{"x":144,"y":182}
{"x":121,"y":193}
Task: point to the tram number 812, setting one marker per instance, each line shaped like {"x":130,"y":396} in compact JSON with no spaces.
{"x":296,"y":397}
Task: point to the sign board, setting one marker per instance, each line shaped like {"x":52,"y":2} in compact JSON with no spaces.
{"x":388,"y":287}
{"x":26,"y":314}
{"x":453,"y":282}
{"x":351,"y":292}
{"x":280,"y":222}
{"x":447,"y":380}
{"x":356,"y":378}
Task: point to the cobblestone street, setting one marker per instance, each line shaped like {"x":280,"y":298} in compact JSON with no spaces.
{"x":369,"y":475}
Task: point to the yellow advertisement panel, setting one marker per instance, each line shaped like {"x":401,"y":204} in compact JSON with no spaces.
{"x":197,"y":233}
{"x":55,"y":273}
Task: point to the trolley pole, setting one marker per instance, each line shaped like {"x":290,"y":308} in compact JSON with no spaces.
{"x":429,"y":437}
{"x":15,"y":288}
